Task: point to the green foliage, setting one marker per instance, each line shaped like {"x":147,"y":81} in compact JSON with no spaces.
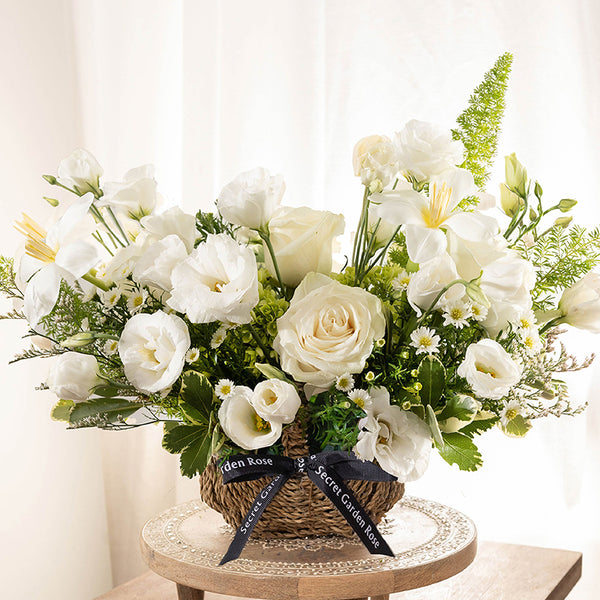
{"x":479,"y":125}
{"x":197,"y":393}
{"x":517,"y":427}
{"x":194,"y":443}
{"x":8,"y":279}
{"x":459,"y":407}
{"x":207,"y":222}
{"x":560,"y":258}
{"x":62,"y":410}
{"x":478,"y":427}
{"x":432,"y":377}
{"x":460,"y":450}
{"x":101,"y":412}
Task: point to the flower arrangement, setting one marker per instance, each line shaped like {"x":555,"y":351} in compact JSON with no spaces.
{"x":229,"y":327}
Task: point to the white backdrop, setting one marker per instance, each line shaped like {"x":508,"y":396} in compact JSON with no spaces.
{"x":205,"y":89}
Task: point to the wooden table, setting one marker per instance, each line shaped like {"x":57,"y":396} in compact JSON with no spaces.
{"x":431,"y":542}
{"x":499,"y":572}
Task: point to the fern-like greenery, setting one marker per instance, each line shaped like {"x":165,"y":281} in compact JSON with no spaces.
{"x":479,"y":124}
{"x":207,"y":223}
{"x":8,"y":283}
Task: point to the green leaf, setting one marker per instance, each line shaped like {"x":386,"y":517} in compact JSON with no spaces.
{"x":460,"y":450}
{"x":271,"y":372}
{"x":108,"y":409}
{"x":460,"y":407}
{"x":477,"y":427}
{"x":434,"y":427}
{"x":106,"y":391}
{"x":517,"y":427}
{"x":431,"y":375}
{"x":194,"y":442}
{"x":197,"y":392}
{"x":62,"y":410}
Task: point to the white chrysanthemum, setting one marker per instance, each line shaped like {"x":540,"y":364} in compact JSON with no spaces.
{"x":478,"y":311}
{"x":401,"y":281}
{"x":110,"y":298}
{"x":361,"y":398}
{"x":224,"y":388}
{"x":192,"y":355}
{"x":136,"y":301}
{"x":425,"y":340}
{"x":511,"y":410}
{"x":111,"y":347}
{"x":218,"y":337}
{"x":344,"y":383}
{"x":456,"y":313}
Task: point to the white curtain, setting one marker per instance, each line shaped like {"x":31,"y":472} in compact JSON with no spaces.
{"x":205,"y":89}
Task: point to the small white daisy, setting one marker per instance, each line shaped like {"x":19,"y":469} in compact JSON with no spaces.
{"x":478,"y":311}
{"x":380,"y":343}
{"x":527,"y":320}
{"x":425,"y":340}
{"x":370,"y":376}
{"x":224,"y":388}
{"x":530,"y":339}
{"x":192,"y":355}
{"x":401,"y":281}
{"x":218,"y":337}
{"x":344,"y":383}
{"x":110,"y":298}
{"x":457,"y":313}
{"x":136,"y":301}
{"x":361,"y":398}
{"x":510,"y":411}
{"x":111,"y":347}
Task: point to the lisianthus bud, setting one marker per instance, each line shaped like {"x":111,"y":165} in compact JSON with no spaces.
{"x":566,"y":204}
{"x":81,"y":171}
{"x":563,"y":222}
{"x":516,"y":174}
{"x":509,"y":201}
{"x":580,"y":304}
{"x":73,"y":376}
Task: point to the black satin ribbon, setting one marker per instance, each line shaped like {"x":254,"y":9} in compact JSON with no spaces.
{"x":327,"y":470}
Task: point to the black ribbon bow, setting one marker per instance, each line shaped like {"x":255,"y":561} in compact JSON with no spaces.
{"x":327,"y":470}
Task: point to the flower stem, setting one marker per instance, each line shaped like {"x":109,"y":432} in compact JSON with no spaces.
{"x":267,"y":240}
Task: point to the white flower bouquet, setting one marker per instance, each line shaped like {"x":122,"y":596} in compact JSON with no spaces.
{"x":228,"y":328}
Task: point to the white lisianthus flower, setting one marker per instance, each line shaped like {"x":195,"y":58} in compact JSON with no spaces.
{"x":580,"y":304}
{"x":122,"y":264}
{"x":134,"y":197}
{"x":152,"y":348}
{"x":81,"y":171}
{"x":397,"y":439}
{"x":425,"y":340}
{"x":431,"y":278}
{"x":73,"y":375}
{"x":276,"y":401}
{"x":489,"y":369}
{"x":243,"y":425}
{"x":61,"y":253}
{"x":302,"y":239}
{"x":157,"y":263}
{"x":170,"y":222}
{"x":375,"y":161}
{"x":328,"y":330}
{"x":251,"y":198}
{"x":217,"y":282}
{"x":425,"y":150}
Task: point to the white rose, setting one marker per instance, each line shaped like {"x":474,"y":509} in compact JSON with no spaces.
{"x":374,"y":160}
{"x":328,"y":330}
{"x":217,"y":282}
{"x":425,"y":150}
{"x":242,"y":424}
{"x":489,"y":369}
{"x":250,"y":199}
{"x":302,"y":239}
{"x":276,"y":401}
{"x":159,"y":260}
{"x":507,"y":283}
{"x":170,"y":222}
{"x":580,"y":304}
{"x":135,"y":196}
{"x":73,"y":375}
{"x":152,"y":348}
{"x":430,"y":280}
{"x":81,"y":171}
{"x":397,"y":439}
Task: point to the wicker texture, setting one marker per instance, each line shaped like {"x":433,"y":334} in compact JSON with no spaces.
{"x":300,"y":509}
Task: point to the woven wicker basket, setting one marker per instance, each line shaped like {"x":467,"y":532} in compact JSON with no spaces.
{"x":300,"y":509}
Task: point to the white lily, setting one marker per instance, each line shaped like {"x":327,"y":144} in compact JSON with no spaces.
{"x":52,"y":256}
{"x":426,"y":216}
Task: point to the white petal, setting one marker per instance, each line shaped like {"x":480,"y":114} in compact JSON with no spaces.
{"x":69,"y":221}
{"x":41,"y":294}
{"x":77,"y":258}
{"x":424,"y":243}
{"x":404,"y":206}
{"x":472,"y":226}
{"x":460,"y":181}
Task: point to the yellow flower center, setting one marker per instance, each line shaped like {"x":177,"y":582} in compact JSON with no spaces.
{"x":487,"y":370}
{"x":271,"y":399}
{"x":456,"y":314}
{"x":260,"y":424}
{"x":425,"y":341}
{"x":511,"y":413}
{"x":35,"y":244}
{"x":436,"y":211}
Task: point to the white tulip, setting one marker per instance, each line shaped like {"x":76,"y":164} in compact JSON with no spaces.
{"x":302,"y":239}
{"x":328,"y":330}
{"x":243,"y":425}
{"x":489,"y":369}
{"x":158,"y":262}
{"x":397,"y":439}
{"x":81,"y":171}
{"x":73,"y":375}
{"x":251,"y":198}
{"x":134,"y":197}
{"x":425,"y":150}
{"x":375,"y":160}
{"x":217,"y":282}
{"x":152,"y":348}
{"x":580,"y":304}
{"x":276,"y":401}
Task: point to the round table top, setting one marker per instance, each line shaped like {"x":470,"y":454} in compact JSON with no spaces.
{"x":431,"y":542}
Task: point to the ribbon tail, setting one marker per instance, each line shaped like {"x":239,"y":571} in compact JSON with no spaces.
{"x":256,"y":510}
{"x":352,"y":511}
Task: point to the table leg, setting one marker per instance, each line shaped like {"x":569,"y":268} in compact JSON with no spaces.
{"x":187,"y":593}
